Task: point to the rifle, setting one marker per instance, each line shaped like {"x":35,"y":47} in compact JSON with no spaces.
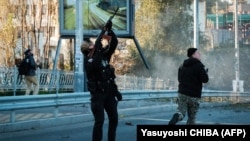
{"x":101,"y":35}
{"x":104,"y":29}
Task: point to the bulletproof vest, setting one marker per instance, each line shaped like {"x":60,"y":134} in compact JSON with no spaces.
{"x":98,"y":69}
{"x":107,"y":71}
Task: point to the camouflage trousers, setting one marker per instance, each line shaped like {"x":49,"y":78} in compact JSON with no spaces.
{"x":32,"y":80}
{"x":189,"y":105}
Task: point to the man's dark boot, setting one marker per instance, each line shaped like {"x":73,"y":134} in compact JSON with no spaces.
{"x":174,"y":119}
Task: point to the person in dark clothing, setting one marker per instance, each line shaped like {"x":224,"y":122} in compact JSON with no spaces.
{"x":31,"y":78}
{"x":191,"y":76}
{"x":101,"y":82}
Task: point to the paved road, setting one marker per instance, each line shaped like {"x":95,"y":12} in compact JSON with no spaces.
{"x":209,"y":115}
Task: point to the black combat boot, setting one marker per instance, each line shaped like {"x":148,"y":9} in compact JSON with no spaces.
{"x":174,"y":119}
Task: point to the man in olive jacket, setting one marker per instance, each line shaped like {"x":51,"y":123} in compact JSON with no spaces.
{"x":191,"y":76}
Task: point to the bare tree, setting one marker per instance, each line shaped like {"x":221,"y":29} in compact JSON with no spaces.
{"x":8,"y":34}
{"x":36,"y":18}
{"x":20,"y":17}
{"x":51,"y":17}
{"x":27,"y":22}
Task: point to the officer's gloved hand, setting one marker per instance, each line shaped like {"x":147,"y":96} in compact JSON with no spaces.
{"x":207,"y":70}
{"x":118,"y":96}
{"x":108,"y":25}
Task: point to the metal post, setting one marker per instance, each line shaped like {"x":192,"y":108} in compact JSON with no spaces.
{"x":236,"y":46}
{"x":79,"y":77}
{"x":15,"y":80}
{"x":140,"y":52}
{"x":196,"y":24}
{"x":53,"y":75}
{"x":13,"y":116}
{"x":217,"y":18}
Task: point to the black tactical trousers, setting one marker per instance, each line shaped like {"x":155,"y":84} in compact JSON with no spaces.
{"x":101,"y":102}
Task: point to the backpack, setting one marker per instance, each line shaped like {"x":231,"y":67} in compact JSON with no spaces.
{"x":23,"y":68}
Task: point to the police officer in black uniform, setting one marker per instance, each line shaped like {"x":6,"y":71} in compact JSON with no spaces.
{"x":101,"y":82}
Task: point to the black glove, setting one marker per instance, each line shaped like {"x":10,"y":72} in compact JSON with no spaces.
{"x":108,"y":25}
{"x":118,"y":96}
{"x":207,"y":70}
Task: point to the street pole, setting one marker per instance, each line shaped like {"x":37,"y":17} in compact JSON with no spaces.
{"x":196,"y":24}
{"x":236,"y":82}
{"x":78,"y":74}
{"x":217,"y":18}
